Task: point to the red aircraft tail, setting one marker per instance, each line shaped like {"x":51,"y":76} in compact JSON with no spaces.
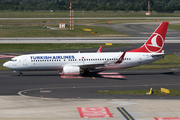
{"x":156,"y":42}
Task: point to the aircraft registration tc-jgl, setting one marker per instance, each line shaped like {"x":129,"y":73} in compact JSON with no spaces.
{"x":77,"y":63}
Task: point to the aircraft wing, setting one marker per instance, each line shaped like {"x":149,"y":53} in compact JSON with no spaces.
{"x":91,"y":66}
{"x":105,"y":64}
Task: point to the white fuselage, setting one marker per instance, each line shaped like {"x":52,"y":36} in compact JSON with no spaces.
{"x":99,"y":61}
{"x":74,"y":63}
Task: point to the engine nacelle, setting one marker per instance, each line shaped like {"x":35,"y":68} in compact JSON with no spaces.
{"x":71,"y":70}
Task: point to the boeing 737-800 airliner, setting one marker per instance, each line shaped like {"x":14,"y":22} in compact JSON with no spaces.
{"x":75,"y":63}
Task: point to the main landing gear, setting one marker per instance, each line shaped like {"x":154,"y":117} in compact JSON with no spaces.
{"x":87,"y":72}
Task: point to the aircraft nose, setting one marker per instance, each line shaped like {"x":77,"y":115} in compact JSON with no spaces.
{"x":6,"y":64}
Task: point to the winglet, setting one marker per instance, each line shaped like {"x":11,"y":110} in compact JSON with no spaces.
{"x":121,"y":58}
{"x":100,"y":49}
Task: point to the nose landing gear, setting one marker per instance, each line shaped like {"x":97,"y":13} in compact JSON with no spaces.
{"x":20,"y":73}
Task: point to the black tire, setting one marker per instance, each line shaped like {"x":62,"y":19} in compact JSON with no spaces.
{"x":21,"y":74}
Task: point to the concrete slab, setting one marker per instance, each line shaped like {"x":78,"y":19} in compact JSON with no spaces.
{"x":20,"y":107}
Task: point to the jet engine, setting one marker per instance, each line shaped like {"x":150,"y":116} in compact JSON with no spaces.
{"x":71,"y":70}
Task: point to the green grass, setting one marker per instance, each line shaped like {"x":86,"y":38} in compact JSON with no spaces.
{"x":60,"y":14}
{"x":173,"y":92}
{"x":78,"y":21}
{"x":154,"y":66}
{"x":174,"y":27}
{"x":23,"y":28}
{"x":3,"y":68}
{"x":169,"y":61}
{"x":3,"y":61}
{"x":101,"y":31}
{"x":39,"y":31}
{"x":51,"y":47}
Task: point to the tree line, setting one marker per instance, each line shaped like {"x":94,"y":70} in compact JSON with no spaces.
{"x":95,"y":5}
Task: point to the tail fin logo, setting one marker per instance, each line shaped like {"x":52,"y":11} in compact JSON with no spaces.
{"x":155,"y":43}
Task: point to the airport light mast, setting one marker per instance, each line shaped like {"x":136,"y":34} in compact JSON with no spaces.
{"x":149,"y":7}
{"x":71,"y":17}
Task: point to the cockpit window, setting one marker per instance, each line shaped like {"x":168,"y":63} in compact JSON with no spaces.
{"x":13,"y":60}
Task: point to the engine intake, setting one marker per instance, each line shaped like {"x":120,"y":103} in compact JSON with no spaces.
{"x":71,"y":70}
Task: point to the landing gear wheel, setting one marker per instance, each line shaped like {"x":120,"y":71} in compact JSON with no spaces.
{"x":20,"y":74}
{"x":87,"y":72}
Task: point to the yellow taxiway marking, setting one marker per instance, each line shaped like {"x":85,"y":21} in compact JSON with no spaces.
{"x":125,"y":113}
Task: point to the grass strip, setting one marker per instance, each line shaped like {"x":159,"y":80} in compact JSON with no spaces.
{"x":169,"y":61}
{"x":40,"y":31}
{"x":80,"y":13}
{"x":173,"y":92}
{"x":3,"y":61}
{"x":154,"y":66}
{"x":51,"y":47}
{"x":45,"y":22}
{"x":3,"y":68}
{"x":174,"y":27}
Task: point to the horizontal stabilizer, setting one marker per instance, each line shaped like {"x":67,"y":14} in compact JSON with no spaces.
{"x":157,"y":55}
